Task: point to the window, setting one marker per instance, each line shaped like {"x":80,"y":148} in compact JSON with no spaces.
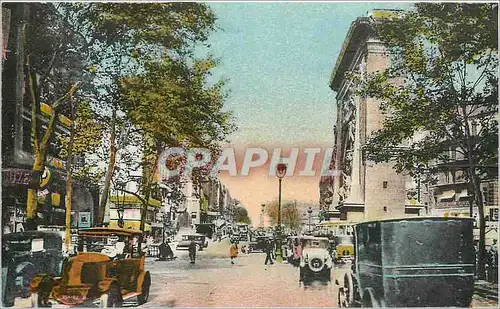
{"x":384,"y":184}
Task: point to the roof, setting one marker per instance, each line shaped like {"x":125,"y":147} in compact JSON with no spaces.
{"x":31,"y":234}
{"x":358,"y":32}
{"x":313,"y":238}
{"x":419,"y":218}
{"x":109,"y":231}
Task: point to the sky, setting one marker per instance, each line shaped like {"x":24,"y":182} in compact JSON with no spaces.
{"x":278,"y":58}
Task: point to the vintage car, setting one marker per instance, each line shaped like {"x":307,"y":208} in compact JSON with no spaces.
{"x":411,"y":262}
{"x":199,"y":239}
{"x":344,"y":248}
{"x":315,"y":261}
{"x":106,"y":270}
{"x":25,"y":254}
{"x":257,"y":244}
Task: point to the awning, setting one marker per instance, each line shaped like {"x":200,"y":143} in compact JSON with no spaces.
{"x":213,"y":213}
{"x":130,"y":199}
{"x":130,"y":224}
{"x":463,"y":195}
{"x":447,"y":195}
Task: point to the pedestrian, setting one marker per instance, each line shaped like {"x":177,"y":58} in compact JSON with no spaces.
{"x":192,"y":252}
{"x":233,"y":251}
{"x":269,"y":252}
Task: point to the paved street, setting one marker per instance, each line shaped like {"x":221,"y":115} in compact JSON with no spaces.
{"x":214,"y":282}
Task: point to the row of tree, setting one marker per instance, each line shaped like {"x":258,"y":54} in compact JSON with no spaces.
{"x":128,"y":77}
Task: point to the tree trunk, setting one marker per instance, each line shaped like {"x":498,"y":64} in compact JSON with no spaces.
{"x":69,"y":180}
{"x":109,"y":172}
{"x":478,"y":198}
{"x":148,"y":182}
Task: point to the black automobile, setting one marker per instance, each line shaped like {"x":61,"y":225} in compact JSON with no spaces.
{"x":26,"y":254}
{"x":257,"y":244}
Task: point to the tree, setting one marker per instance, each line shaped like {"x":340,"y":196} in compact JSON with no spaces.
{"x":442,"y":80}
{"x":119,"y":37}
{"x":173,"y":106}
{"x":290,"y":216}
{"x":241,"y":215}
{"x":84,"y":139}
{"x":53,"y":66}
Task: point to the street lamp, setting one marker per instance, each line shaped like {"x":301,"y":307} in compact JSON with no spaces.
{"x":280,"y":173}
{"x":309,"y":212}
{"x":121,"y":209}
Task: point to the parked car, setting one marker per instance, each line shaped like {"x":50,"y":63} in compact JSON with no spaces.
{"x":25,"y":254}
{"x":411,"y":262}
{"x":257,"y":244}
{"x":315,"y":261}
{"x":106,"y":270}
{"x":344,"y":248}
{"x":200,"y":240}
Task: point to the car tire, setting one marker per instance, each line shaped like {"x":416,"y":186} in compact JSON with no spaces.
{"x":113,"y":298}
{"x":146,"y":285}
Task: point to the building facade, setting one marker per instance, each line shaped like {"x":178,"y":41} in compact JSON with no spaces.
{"x":362,"y":189}
{"x":17,"y":152}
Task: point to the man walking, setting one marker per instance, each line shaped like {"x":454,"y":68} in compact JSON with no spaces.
{"x":269,"y":252}
{"x":192,"y":251}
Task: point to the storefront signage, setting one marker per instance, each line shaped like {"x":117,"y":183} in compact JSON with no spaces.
{"x":16,"y":177}
{"x":83,"y":219}
{"x":453,"y":204}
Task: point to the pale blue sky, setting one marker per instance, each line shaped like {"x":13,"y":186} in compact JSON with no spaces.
{"x":278,"y":58}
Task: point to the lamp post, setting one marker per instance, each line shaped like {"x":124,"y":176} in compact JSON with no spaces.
{"x":121,"y":209}
{"x":309,"y":212}
{"x":280,"y":173}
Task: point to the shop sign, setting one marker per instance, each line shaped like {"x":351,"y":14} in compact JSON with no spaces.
{"x":84,"y":219}
{"x":16,"y":177}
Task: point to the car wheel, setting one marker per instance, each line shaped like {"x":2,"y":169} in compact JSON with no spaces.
{"x":25,"y":276}
{"x":113,"y":298}
{"x":146,"y":284}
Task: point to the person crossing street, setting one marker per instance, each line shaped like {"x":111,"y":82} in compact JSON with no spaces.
{"x":269,"y":252}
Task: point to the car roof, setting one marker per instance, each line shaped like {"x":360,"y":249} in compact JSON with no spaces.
{"x":31,"y":234}
{"x":109,"y":231}
{"x":313,"y":238}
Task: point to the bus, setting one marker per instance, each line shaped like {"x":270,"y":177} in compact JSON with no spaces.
{"x":334,"y":228}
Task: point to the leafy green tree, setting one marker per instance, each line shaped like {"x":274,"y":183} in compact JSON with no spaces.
{"x":241,"y":215}
{"x":54,"y":71}
{"x":173,"y":106}
{"x":442,"y":83}
{"x":290,"y":216}
{"x":119,"y":38}
{"x":84,"y":139}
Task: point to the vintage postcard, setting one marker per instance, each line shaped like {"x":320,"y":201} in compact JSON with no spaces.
{"x":249,"y":154}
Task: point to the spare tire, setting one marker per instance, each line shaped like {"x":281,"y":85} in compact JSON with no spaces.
{"x":316,"y":264}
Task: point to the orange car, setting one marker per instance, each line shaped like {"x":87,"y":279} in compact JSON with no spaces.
{"x":106,"y":270}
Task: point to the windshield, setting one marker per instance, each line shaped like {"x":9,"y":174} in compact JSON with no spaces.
{"x":96,"y":243}
{"x":315,"y":243}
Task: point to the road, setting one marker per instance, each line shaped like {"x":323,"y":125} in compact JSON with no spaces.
{"x":214,"y":282}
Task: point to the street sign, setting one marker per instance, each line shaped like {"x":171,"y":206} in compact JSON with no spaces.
{"x":84,"y":219}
